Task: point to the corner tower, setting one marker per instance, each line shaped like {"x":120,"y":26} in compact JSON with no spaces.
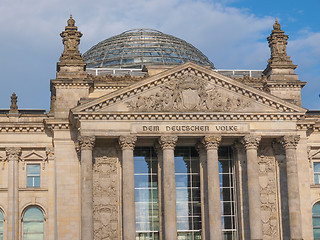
{"x":281,"y":78}
{"x":72,"y":81}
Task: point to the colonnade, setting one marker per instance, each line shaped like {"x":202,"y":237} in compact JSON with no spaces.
{"x":209,"y":146}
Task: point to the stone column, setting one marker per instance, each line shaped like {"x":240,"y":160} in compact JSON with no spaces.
{"x":290,"y":144}
{"x":203,"y":190}
{"x":86,"y":144}
{"x":214,"y":202}
{"x":168,"y":144}
{"x":127,"y":144}
{"x":242,"y":191}
{"x":13,"y":154}
{"x":251,"y":143}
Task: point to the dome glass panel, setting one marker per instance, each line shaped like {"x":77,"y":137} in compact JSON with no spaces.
{"x":138,"y":47}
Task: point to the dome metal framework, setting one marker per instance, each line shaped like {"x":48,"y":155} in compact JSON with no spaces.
{"x":137,"y":47}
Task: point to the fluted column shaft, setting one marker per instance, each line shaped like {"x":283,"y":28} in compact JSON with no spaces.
{"x":251,"y":144}
{"x":86,"y":144}
{"x":168,"y":144}
{"x":13,"y":192}
{"x":127,"y":144}
{"x":290,"y":143}
{"x":214,"y":202}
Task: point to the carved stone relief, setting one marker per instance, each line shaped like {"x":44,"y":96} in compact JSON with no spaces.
{"x":106,"y":194}
{"x":189,"y":93}
{"x":268,"y":197}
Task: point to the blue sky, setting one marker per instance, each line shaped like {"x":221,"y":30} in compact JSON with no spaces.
{"x":232,"y":33}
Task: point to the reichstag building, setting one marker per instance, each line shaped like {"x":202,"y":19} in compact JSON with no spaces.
{"x":145,"y":140}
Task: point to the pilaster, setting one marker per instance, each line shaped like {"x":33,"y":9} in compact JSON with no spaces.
{"x":86,"y":144}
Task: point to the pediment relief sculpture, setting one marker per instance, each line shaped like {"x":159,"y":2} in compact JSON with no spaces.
{"x":189,"y":93}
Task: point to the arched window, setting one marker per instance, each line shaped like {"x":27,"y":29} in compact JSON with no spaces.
{"x":33,"y":224}
{"x":316,"y":221}
{"x":1,"y":225}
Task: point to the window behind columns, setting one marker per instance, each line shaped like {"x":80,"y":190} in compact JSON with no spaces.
{"x":146,"y":193}
{"x":227,"y":193}
{"x":188,"y":193}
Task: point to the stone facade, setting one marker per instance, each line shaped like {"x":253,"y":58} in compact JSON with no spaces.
{"x":85,"y":147}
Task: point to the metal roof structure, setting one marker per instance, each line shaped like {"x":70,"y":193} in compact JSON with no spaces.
{"x":138,"y":47}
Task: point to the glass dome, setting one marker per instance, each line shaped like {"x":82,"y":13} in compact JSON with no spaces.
{"x":137,"y":47}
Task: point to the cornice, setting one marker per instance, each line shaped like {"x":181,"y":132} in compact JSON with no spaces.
{"x":57,"y":124}
{"x":22,"y":127}
{"x":189,"y":116}
{"x":71,"y":83}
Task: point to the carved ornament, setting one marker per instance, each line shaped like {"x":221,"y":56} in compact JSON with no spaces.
{"x":86,"y":142}
{"x":127,"y":142}
{"x":168,"y":141}
{"x":13,"y":153}
{"x":290,"y":141}
{"x":188,"y":93}
{"x":251,"y":141}
{"x":211,"y":142}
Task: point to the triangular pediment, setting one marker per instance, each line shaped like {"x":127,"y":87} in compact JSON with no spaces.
{"x":188,"y":88}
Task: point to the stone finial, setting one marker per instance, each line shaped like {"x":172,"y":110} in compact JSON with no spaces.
{"x":278,"y":43}
{"x":71,"y":22}
{"x":71,"y":63}
{"x":14,"y":106}
{"x":276,"y":25}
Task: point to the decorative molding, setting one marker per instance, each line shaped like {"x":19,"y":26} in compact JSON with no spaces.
{"x":33,"y":156}
{"x":54,"y":124}
{"x":50,"y":153}
{"x":190,"y":116}
{"x":251,"y":141}
{"x":290,"y":141}
{"x":127,"y":142}
{"x":168,"y":141}
{"x":13,"y":153}
{"x":86,"y":142}
{"x":211,"y":142}
{"x":268,"y":197}
{"x":22,"y":128}
{"x":106,"y":197}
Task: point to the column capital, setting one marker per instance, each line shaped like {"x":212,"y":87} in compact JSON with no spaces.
{"x":251,"y":141}
{"x":211,"y":141}
{"x":290,"y":141}
{"x":127,"y":142}
{"x":13,"y":153}
{"x":168,"y":141}
{"x":86,"y":142}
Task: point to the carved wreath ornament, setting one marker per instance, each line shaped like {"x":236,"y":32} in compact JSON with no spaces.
{"x":187,"y":93}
